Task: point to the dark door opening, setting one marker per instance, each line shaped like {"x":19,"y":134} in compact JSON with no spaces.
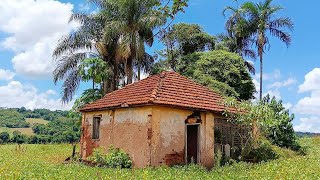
{"x":192,"y":143}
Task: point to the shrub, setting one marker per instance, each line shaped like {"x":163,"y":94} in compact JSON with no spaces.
{"x":262,"y":151}
{"x":118,"y":158}
{"x":4,"y":137}
{"x":115,"y":158}
{"x":98,"y":157}
{"x":280,"y":133}
{"x":18,"y":138}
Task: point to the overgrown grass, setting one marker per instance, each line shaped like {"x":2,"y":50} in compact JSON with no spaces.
{"x":46,"y":162}
{"x":26,"y":131}
{"x":34,"y":121}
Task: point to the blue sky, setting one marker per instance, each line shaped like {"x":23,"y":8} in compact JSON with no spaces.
{"x":29,"y":30}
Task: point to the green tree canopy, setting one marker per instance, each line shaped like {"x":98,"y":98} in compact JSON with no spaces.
{"x":183,"y":39}
{"x":219,"y":70}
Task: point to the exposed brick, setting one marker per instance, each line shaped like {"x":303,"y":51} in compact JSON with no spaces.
{"x":175,"y":158}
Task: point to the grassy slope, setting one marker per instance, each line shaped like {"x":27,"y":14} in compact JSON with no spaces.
{"x":33,"y":121}
{"x":45,"y":162}
{"x":26,"y":131}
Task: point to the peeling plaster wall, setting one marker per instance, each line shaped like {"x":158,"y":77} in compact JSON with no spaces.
{"x":168,"y":143}
{"x":168,"y":127}
{"x":151,"y":135}
{"x":207,"y":140}
{"x":125,"y":128}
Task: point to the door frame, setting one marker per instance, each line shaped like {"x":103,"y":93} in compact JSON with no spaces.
{"x":186,"y":142}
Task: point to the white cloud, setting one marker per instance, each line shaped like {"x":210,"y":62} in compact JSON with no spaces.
{"x":287,"y":105}
{"x":286,"y":83}
{"x":275,"y":75}
{"x":6,"y":75}
{"x":15,"y":94}
{"x":273,"y":93}
{"x":256,"y":84}
{"x":34,"y":28}
{"x":310,"y":124}
{"x":311,"y":82}
{"x":310,"y":104}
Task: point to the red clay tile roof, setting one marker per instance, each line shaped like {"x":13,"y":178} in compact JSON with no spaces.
{"x":166,"y":88}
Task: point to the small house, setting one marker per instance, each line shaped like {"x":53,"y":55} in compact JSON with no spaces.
{"x":165,"y":119}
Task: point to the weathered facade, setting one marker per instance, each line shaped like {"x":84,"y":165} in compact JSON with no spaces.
{"x":165,"y":119}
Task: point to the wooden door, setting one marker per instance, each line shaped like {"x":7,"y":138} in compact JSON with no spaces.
{"x":192,"y":144}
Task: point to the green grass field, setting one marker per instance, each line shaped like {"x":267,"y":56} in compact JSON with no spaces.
{"x":46,"y":162}
{"x":33,"y":121}
{"x":26,"y":131}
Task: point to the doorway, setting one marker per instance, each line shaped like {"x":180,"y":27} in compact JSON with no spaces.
{"x":192,"y":143}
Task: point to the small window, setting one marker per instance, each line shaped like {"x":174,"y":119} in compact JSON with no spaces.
{"x":96,"y":128}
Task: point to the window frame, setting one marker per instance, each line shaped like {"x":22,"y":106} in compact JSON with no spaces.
{"x":96,"y":122}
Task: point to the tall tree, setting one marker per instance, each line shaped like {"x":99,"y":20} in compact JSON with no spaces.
{"x":87,"y":41}
{"x":183,"y":39}
{"x":221,"y":71}
{"x":134,"y":21}
{"x":259,"y":20}
{"x":116,"y":34}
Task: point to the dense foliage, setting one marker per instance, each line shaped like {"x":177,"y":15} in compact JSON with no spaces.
{"x":15,"y":117}
{"x":11,"y":118}
{"x":62,"y":130}
{"x":45,"y":114}
{"x":63,"y":126}
{"x":180,"y":40}
{"x":268,"y":118}
{"x":190,"y":51}
{"x":282,"y":132}
{"x":221,"y":71}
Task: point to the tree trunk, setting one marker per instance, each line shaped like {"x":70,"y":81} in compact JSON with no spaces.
{"x":73,"y":150}
{"x":105,"y":86}
{"x":115,"y":78}
{"x":261,"y":74}
{"x":129,"y":70}
{"x":139,"y":69}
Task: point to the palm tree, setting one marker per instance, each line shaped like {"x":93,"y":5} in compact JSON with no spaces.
{"x":259,"y":21}
{"x":237,"y":39}
{"x":86,"y":42}
{"x":134,"y":21}
{"x":144,"y":65}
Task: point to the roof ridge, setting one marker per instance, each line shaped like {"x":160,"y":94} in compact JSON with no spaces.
{"x":127,"y":85}
{"x":156,"y":90}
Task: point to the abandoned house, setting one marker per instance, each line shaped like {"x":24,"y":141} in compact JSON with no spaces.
{"x":165,"y":119}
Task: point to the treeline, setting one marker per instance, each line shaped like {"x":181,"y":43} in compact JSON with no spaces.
{"x":307,"y":134}
{"x":61,"y":130}
{"x":15,"y":117}
{"x":45,"y":114}
{"x":63,"y":126}
{"x":11,"y":118}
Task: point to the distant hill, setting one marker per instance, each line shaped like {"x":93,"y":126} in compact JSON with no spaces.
{"x":307,"y":134}
{"x":17,"y":117}
{"x":39,"y":125}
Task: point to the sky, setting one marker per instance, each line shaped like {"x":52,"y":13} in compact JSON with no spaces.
{"x":29,"y":31}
